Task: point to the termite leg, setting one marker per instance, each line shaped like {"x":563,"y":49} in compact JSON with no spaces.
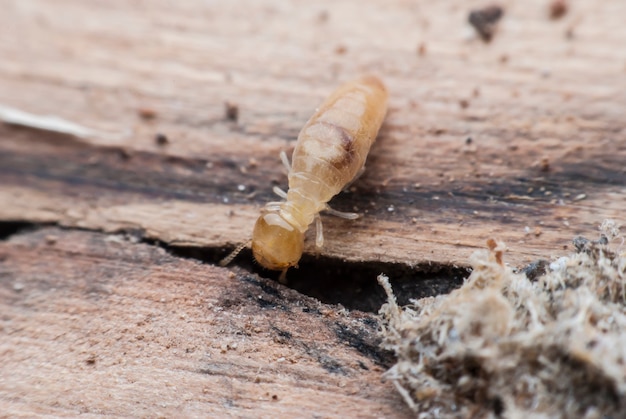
{"x":340,"y":214}
{"x":319,"y":231}
{"x":272,"y":206}
{"x":354,"y":179}
{"x":280,"y":192}
{"x":283,"y":276}
{"x":285,"y":160}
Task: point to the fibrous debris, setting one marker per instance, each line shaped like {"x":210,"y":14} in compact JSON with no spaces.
{"x":503,"y":345}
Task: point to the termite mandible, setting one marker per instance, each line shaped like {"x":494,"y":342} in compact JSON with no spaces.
{"x":330,"y":153}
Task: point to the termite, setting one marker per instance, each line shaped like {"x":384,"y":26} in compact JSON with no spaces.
{"x":330,"y":153}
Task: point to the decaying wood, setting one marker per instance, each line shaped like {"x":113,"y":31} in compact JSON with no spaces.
{"x":187,"y":106}
{"x":104,"y":326}
{"x":544,"y":114}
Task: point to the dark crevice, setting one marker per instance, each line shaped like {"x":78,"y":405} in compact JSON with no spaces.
{"x":351,"y":284}
{"x":328,"y":279}
{"x":12,"y":228}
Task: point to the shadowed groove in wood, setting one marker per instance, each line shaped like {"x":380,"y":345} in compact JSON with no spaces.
{"x":330,"y":280}
{"x":8,"y":228}
{"x":351,"y":284}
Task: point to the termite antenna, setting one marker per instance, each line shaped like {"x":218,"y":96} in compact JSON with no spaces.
{"x":234,"y":253}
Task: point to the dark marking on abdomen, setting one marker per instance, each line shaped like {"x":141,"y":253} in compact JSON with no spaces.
{"x":346,"y":143}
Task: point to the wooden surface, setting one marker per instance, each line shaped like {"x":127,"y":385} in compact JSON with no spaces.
{"x":531,"y":94}
{"x":97,"y":325}
{"x":543,"y":104}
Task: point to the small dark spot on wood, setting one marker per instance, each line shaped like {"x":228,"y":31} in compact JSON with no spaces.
{"x":91,"y":360}
{"x":264,"y":303}
{"x":161,"y":139}
{"x":421,"y":49}
{"x":340,"y":49}
{"x":331,"y":365}
{"x":468,"y":140}
{"x":282,"y":336}
{"x":147,"y":113}
{"x":228,"y":303}
{"x":231,"y":111}
{"x":464,"y":103}
{"x":485,"y":20}
{"x":558,"y":9}
{"x":125,"y":154}
{"x":323,"y":16}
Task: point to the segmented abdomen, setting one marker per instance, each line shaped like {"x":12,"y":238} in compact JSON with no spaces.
{"x":334,"y":143}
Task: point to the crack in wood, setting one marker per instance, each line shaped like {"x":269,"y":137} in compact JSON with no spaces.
{"x":330,"y":280}
{"x":349,"y":283}
{"x":10,"y":228}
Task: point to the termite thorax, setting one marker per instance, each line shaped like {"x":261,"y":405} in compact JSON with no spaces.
{"x":294,"y":213}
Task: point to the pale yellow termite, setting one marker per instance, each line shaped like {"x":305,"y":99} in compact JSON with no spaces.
{"x":330,"y":152}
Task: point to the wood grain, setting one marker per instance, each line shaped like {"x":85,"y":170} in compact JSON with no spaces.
{"x":530,"y":95}
{"x":521,"y":139}
{"x":103,"y":326}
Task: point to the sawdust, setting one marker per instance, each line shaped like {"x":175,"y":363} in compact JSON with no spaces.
{"x":504,"y":345}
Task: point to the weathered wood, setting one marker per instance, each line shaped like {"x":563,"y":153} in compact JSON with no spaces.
{"x":530,"y":95}
{"x":103,"y":326}
{"x":543,"y":104}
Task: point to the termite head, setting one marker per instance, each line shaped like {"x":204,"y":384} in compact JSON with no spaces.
{"x":276,"y":244}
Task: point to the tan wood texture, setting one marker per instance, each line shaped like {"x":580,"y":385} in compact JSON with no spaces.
{"x":187,"y":106}
{"x":101,"y":326}
{"x":532,"y":94}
